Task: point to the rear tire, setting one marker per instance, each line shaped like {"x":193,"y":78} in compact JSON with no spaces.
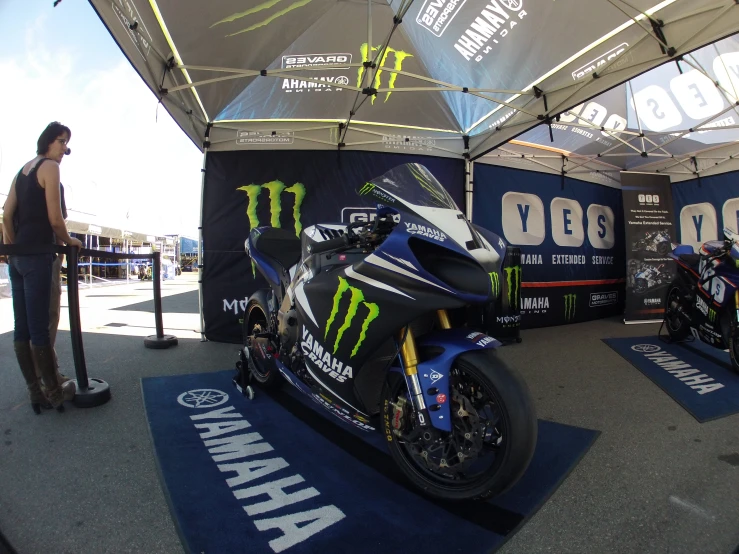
{"x":734,"y":346}
{"x":516,"y":424}
{"x":255,"y":316}
{"x":676,"y":327}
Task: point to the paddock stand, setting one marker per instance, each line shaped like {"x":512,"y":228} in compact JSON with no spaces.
{"x":243,"y":377}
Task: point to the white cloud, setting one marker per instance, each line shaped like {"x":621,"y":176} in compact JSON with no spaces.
{"x":128,"y":156}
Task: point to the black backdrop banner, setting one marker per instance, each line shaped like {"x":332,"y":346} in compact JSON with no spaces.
{"x":650,"y":231}
{"x":288,"y":189}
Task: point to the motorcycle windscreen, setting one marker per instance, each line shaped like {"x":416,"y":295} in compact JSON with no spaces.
{"x":412,"y":188}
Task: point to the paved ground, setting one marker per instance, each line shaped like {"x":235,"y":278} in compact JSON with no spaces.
{"x":85,"y":481}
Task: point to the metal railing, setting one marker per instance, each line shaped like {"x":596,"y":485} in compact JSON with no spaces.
{"x":91,"y":391}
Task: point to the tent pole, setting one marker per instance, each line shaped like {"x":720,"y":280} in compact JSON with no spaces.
{"x":469,"y":168}
{"x":206,"y":144}
{"x":369,"y":42}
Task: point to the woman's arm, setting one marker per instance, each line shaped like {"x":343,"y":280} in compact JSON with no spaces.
{"x":8,"y":213}
{"x":48,"y":177}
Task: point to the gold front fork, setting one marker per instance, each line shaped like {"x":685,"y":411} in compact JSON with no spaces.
{"x":408,"y":349}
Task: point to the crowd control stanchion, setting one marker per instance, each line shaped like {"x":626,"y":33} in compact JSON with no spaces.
{"x":160,"y":340}
{"x":91,"y":392}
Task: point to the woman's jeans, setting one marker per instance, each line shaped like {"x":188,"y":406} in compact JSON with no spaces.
{"x":30,"y":282}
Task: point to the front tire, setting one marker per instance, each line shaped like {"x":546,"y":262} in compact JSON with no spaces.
{"x":256,"y":320}
{"x":507,"y":437}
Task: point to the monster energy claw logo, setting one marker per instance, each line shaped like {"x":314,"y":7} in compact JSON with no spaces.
{"x":257,"y":10}
{"x":711,"y":315}
{"x":570,"y":305}
{"x":399,"y":56}
{"x":366,"y":189}
{"x":513,"y":280}
{"x":275,"y":189}
{"x":356,"y":298}
{"x":495,"y":283}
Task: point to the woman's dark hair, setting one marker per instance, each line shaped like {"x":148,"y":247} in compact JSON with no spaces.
{"x":53,"y":131}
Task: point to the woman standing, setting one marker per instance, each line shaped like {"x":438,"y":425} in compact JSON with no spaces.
{"x":33,"y":216}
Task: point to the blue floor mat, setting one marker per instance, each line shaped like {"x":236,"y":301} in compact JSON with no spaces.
{"x":696,"y":376}
{"x":274,"y":474}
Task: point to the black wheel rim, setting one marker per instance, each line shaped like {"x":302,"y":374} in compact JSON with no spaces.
{"x":494,"y":428}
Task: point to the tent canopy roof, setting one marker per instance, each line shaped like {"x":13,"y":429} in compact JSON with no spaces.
{"x":444,"y":76}
{"x":680,"y":119}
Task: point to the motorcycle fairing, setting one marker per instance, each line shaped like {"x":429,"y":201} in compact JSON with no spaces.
{"x":434,"y":373}
{"x":715,"y":292}
{"x":347,"y":312}
{"x":327,"y":402}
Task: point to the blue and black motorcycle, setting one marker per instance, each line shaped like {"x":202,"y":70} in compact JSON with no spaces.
{"x":368,"y":320}
{"x":703,"y":300}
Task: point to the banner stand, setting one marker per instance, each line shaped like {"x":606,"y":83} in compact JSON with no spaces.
{"x":649,"y":226}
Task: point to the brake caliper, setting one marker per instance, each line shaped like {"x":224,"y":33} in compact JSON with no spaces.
{"x":398,"y":421}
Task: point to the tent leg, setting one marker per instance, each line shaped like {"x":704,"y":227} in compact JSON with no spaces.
{"x":468,"y":187}
{"x":200,"y":236}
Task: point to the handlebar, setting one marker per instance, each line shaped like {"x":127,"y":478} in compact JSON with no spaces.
{"x":331,"y":244}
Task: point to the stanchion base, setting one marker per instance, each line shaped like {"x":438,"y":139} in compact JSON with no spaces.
{"x":165,"y":341}
{"x":96,"y":394}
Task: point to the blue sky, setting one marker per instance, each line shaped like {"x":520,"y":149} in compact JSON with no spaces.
{"x":128,"y":156}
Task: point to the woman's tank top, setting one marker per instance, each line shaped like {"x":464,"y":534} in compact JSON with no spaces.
{"x":31,"y":221}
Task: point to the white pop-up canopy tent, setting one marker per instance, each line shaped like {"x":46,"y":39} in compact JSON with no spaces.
{"x":450,"y":76}
{"x":679,"y":119}
{"x":447,"y":78}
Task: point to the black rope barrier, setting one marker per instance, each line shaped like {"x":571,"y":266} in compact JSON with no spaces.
{"x":91,"y":391}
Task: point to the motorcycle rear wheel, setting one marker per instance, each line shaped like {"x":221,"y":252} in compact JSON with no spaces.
{"x":511,"y":431}
{"x":255,"y":317}
{"x":734,"y":346}
{"x":676,"y":327}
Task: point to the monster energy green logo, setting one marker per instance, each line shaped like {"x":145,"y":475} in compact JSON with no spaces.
{"x":495,"y":283}
{"x":513,"y":280}
{"x":570,"y":304}
{"x":711,"y":315}
{"x":258,"y":8}
{"x":399,"y":56}
{"x":275,"y":189}
{"x":366,"y":189}
{"x":356,"y":298}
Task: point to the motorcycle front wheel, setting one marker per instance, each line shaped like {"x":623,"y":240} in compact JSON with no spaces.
{"x":494,"y":431}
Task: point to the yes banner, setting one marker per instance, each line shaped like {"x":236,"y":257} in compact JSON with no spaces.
{"x":571,"y":238}
{"x":650,"y":232}
{"x":705,"y":206}
{"x":291,"y":190}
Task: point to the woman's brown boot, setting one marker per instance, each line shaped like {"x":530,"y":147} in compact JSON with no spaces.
{"x":25,"y":361}
{"x":44,"y":358}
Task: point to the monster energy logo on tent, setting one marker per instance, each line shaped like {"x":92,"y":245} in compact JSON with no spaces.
{"x":495,"y":283}
{"x":356,"y":297}
{"x":570,"y":304}
{"x":399,"y":56}
{"x":513,"y":279}
{"x":258,"y":8}
{"x":275,"y":189}
{"x":711,"y":315}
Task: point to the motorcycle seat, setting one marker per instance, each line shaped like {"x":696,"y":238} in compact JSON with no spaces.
{"x":280,"y":245}
{"x":691,"y":259}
